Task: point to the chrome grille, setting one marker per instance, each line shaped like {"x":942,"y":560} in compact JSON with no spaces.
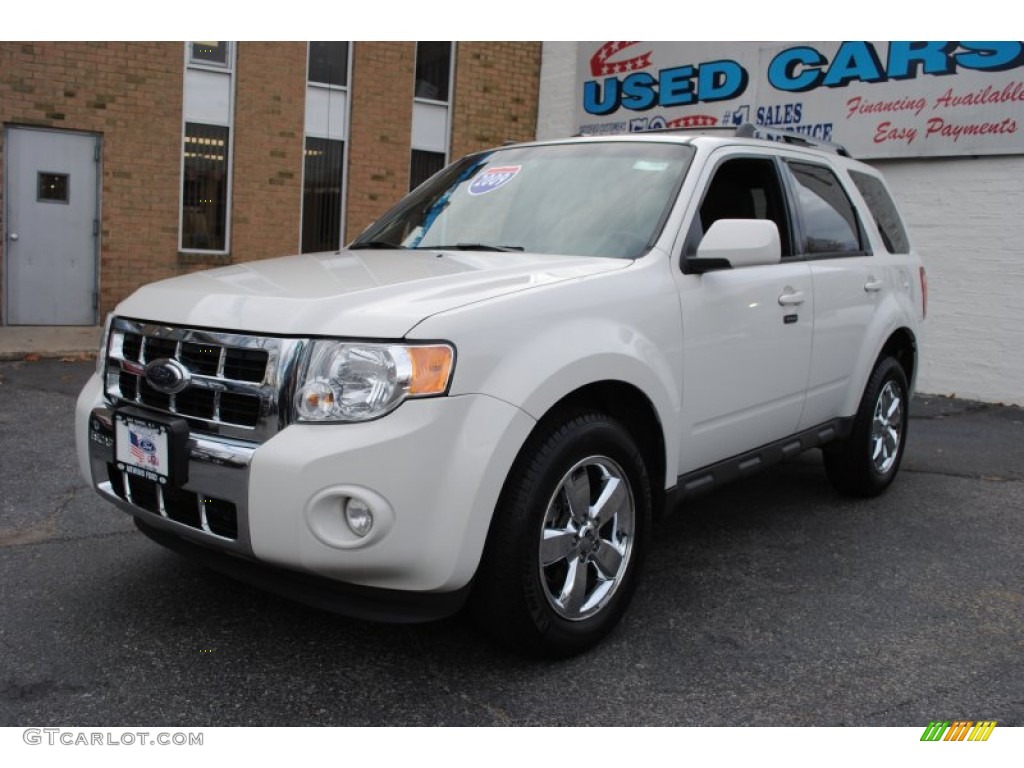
{"x":203,"y":512}
{"x":235,"y":382}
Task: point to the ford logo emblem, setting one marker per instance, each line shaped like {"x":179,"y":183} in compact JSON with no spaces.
{"x":167,"y":376}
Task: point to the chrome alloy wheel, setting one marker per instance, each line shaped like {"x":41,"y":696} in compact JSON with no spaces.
{"x":887,"y":428}
{"x":587,"y":538}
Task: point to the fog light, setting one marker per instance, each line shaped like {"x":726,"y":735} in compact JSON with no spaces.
{"x":358,"y":516}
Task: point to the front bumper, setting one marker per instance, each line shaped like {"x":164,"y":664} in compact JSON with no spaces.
{"x":432,"y":471}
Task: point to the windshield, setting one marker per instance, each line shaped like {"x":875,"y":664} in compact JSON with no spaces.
{"x":588,"y":199}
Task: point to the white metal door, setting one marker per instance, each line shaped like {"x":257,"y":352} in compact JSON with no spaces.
{"x":51,"y":227}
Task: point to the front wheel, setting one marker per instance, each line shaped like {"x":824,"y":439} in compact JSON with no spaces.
{"x":865,"y":463}
{"x":565,"y":548}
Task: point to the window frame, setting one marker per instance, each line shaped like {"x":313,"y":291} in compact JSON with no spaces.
{"x":348,"y":67}
{"x":193,"y":63}
{"x":451,"y":75}
{"x":447,"y":104}
{"x":228,"y":71}
{"x":346,"y":142}
{"x":690,"y":241}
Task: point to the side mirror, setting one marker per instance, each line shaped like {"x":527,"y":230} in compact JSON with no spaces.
{"x":732,"y":243}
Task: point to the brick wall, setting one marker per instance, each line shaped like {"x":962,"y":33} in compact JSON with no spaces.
{"x":130,"y":94}
{"x":379,"y":134}
{"x":269,"y":114}
{"x":496,"y":86}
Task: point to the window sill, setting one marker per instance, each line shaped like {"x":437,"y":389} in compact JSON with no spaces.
{"x":200,"y":259}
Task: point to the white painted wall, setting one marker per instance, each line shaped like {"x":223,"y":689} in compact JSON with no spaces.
{"x":966,"y":218}
{"x":556,"y":109}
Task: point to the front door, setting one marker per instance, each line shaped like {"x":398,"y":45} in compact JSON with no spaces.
{"x":51,"y":227}
{"x":747,"y":331}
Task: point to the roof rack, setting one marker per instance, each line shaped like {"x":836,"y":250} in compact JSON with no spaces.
{"x":751,"y":131}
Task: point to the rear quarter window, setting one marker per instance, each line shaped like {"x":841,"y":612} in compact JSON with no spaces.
{"x":884,"y":212}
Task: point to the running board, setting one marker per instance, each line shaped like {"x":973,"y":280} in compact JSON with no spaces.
{"x":715,"y":475}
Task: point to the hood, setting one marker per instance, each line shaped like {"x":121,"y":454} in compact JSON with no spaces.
{"x":370,"y":294}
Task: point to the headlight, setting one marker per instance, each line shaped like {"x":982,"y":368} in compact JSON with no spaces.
{"x":341,"y":381}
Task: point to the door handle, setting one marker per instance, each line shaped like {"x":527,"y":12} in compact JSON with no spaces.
{"x":873,"y":285}
{"x":13,"y":236}
{"x":791,"y":298}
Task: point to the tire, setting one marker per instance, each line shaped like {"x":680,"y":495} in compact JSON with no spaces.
{"x":865,"y":463}
{"x":567,"y":542}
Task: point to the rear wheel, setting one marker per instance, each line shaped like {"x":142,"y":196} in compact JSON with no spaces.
{"x":865,"y":463}
{"x":565,"y":548}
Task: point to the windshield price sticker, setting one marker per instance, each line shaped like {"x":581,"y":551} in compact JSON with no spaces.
{"x":493,"y":178}
{"x":142,"y":448}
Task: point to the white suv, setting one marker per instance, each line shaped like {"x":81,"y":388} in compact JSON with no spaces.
{"x":494,"y":389}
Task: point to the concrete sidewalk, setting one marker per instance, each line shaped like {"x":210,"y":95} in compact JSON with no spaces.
{"x":20,"y":341}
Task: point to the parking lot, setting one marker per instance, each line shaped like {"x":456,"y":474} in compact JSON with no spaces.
{"x":775,"y":602}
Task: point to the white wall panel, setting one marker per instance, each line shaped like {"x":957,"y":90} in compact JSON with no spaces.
{"x":207,"y":97}
{"x":326,"y":111}
{"x":966,"y":219}
{"x":430,"y":126}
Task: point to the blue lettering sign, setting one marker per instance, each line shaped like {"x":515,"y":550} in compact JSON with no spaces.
{"x":796,"y":69}
{"x":596,"y":104}
{"x":934,"y":58}
{"x":721,"y":80}
{"x":991,"y":56}
{"x":854,"y":60}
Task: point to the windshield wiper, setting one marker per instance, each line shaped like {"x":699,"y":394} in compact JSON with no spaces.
{"x":470,"y":247}
{"x":382,"y":244}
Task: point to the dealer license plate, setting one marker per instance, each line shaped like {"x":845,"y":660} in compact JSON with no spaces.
{"x":142,"y":447}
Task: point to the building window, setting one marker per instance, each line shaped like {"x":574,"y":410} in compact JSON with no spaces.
{"x":52,"y":188}
{"x":322,"y":195}
{"x":328,"y":63}
{"x":424,"y":165}
{"x":433,"y":70}
{"x":204,"y":194}
{"x":326,"y":131}
{"x":431,"y":110}
{"x":210,"y":54}
{"x":208,"y":117}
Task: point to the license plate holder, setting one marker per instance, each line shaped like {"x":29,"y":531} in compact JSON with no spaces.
{"x":151,"y":448}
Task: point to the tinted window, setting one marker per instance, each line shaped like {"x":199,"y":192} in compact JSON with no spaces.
{"x":215,"y":53}
{"x":826,"y":213}
{"x":328,"y":63}
{"x":204,"y":196}
{"x":884,"y":212}
{"x":424,"y":165}
{"x":433,"y":67}
{"x":321,"y":194}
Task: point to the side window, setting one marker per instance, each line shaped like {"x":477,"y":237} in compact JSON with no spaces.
{"x":742,"y":188}
{"x":829,"y":221}
{"x":883,"y":211}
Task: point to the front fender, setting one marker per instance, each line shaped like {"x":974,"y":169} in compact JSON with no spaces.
{"x":534,"y":348}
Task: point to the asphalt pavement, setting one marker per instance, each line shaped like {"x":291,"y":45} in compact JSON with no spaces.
{"x":773,"y":602}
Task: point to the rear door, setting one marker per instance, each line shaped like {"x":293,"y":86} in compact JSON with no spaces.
{"x":849,"y":284}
